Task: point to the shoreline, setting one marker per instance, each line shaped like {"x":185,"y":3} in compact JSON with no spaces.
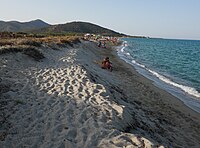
{"x":161,"y":90}
{"x":67,"y":100}
{"x":159,"y":80}
{"x":149,"y":81}
{"x":156,"y":103}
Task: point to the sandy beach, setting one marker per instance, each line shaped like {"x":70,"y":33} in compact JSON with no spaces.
{"x":67,"y":100}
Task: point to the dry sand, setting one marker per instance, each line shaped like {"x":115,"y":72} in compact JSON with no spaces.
{"x":67,"y":100}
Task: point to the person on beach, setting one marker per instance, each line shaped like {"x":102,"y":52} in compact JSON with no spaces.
{"x":106,"y":64}
{"x":99,"y":44}
{"x":104,"y":44}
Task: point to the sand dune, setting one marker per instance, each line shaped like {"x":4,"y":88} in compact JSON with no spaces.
{"x":67,"y":100}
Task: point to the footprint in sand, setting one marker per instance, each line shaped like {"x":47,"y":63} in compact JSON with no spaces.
{"x":71,"y":135}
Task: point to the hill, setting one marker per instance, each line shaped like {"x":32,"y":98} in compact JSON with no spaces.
{"x":15,"y":26}
{"x":41,"y":27}
{"x":79,"y":27}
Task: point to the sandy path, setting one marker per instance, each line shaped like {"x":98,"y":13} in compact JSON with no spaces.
{"x":56,"y":103}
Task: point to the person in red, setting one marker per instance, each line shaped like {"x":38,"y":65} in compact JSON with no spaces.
{"x":106,"y":64}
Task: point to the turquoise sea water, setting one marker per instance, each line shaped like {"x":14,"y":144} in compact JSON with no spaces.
{"x":173,"y":65}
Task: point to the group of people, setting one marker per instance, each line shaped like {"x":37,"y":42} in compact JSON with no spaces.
{"x":102,"y":44}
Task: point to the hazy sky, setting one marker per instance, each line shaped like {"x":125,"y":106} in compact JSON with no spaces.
{"x":154,"y":18}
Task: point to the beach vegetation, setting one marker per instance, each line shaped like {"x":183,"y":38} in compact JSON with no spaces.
{"x":32,"y":45}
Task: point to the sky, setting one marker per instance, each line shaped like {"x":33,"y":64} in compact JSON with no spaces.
{"x":178,"y":19}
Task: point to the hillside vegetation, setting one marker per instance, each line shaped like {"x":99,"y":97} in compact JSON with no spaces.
{"x":15,"y":26}
{"x":79,"y":27}
{"x":41,"y":27}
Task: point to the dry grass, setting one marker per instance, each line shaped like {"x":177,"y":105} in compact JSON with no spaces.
{"x":30,"y":42}
{"x":29,"y":45}
{"x":37,"y":42}
{"x":5,"y":42}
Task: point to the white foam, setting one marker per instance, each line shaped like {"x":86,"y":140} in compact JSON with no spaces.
{"x":134,"y":62}
{"x":122,"y":49}
{"x":187,"y":89}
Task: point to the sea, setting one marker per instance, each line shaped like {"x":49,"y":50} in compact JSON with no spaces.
{"x":172,"y":65}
